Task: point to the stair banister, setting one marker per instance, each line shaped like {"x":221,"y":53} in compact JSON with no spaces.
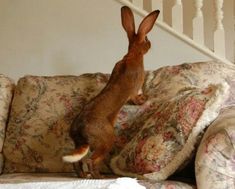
{"x":219,"y":35}
{"x":177,"y":16}
{"x":198,"y":38}
{"x":198,"y":23}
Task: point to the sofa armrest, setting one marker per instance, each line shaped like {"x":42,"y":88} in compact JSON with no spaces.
{"x":6,"y":93}
{"x":215,"y":159}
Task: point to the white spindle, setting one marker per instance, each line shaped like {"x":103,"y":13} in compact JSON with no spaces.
{"x":138,"y":3}
{"x":177,"y":16}
{"x":198,"y":23}
{"x":158,"y":5}
{"x":219,"y":35}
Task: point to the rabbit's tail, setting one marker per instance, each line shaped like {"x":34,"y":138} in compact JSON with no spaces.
{"x":77,"y":154}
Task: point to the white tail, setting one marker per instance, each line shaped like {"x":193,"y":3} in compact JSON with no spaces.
{"x":76,"y":156}
{"x":215,"y":46}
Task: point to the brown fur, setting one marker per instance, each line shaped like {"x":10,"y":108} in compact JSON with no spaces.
{"x":94,"y":126}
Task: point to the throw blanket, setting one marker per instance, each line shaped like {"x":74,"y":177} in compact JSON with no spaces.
{"x":119,"y":183}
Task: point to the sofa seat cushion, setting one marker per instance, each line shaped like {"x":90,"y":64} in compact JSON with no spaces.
{"x":215,"y":160}
{"x":6,"y":93}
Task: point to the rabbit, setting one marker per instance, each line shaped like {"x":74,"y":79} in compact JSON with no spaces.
{"x":92,"y":131}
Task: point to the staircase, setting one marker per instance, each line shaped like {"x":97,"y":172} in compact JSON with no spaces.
{"x":196,"y":22}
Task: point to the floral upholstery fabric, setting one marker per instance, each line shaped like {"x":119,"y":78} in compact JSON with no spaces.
{"x":215,"y":160}
{"x":6,"y":91}
{"x":168,"y":135}
{"x":164,"y":83}
{"x":44,"y":107}
{"x":42,"y":111}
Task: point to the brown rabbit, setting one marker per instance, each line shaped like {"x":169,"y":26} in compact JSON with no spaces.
{"x":93,"y":129}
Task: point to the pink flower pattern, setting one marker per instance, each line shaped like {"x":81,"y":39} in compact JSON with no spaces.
{"x":165,"y":133}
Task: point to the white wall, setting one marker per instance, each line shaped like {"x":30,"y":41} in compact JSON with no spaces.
{"x":50,"y":37}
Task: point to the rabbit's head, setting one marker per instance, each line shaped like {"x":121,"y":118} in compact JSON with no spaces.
{"x":138,"y":41}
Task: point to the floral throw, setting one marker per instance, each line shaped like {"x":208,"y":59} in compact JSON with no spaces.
{"x":70,"y":180}
{"x":170,"y":132}
{"x":6,"y":91}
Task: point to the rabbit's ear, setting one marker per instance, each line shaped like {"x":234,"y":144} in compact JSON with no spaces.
{"x":147,"y":24}
{"x":128,"y":22}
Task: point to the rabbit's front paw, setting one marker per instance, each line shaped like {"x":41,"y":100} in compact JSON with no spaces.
{"x":139,"y":99}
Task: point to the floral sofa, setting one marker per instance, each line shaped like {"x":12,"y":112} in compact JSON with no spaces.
{"x":188,"y":119}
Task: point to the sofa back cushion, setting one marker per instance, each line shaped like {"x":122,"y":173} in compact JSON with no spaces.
{"x":42,"y":111}
{"x":6,"y":92}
